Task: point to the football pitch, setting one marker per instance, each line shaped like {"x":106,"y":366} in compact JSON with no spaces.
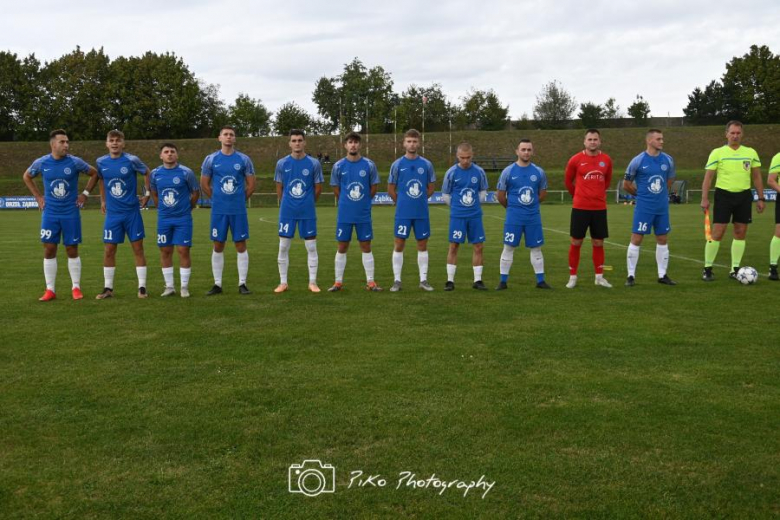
{"x":650,"y":401}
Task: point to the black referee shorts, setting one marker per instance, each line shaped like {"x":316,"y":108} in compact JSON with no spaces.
{"x":733,"y":207}
{"x":593,"y":219}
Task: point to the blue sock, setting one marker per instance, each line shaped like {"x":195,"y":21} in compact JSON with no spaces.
{"x":540,"y":278}
{"x":504,"y":278}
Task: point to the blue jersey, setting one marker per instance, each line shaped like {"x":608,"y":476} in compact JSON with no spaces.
{"x":174,"y":187}
{"x":60,"y":183}
{"x":228,"y":181}
{"x":651,"y":175}
{"x":464,"y":187}
{"x":298,"y":177}
{"x":411,"y":177}
{"x":119,"y":179}
{"x":354,"y":179}
{"x":522,"y":185}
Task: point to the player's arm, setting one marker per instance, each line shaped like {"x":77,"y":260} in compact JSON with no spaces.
{"x":501,"y":196}
{"x":571,"y":171}
{"x":194,"y":196}
{"x":335,"y":182}
{"x":630,"y":188}
{"x":771,"y":181}
{"x":317,"y":191}
{"x":279,"y":191}
{"x":391,"y":190}
{"x":705,"y":189}
{"x":102,"y":190}
{"x":205,"y":185}
{"x":250,"y":186}
{"x":542,"y":195}
{"x":28,"y":181}
{"x":147,"y":189}
{"x":446,"y":188}
{"x":93,"y":179}
{"x":758,"y":182}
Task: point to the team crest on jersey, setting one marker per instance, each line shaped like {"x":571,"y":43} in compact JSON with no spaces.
{"x":123,"y":170}
{"x":176,"y":180}
{"x":533,"y":178}
{"x":473,"y":180}
{"x":746,"y":165}
{"x":664,"y":167}
{"x":297,"y":189}
{"x":355,"y":191}
{"x":60,"y":188}
{"x":236,"y":166}
{"x":467,"y":197}
{"x":414,"y":189}
{"x":67,"y":171}
{"x":118,"y":188}
{"x":362,"y":173}
{"x":169,"y":197}
{"x":421,"y":170}
{"x":602,"y":164}
{"x":656,"y":184}
{"x":229,"y":185}
{"x":305,"y":172}
{"x":526,"y":196}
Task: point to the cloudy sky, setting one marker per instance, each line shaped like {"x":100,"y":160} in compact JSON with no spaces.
{"x":276,"y":51}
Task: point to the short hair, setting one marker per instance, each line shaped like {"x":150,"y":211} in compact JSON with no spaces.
{"x":352,"y":136}
{"x":55,"y":133}
{"x":414,"y":134}
{"x":593,"y":131}
{"x":115,"y":133}
{"x":168,"y":145}
{"x":297,"y":131}
{"x":524,"y":141}
{"x":465,"y":147}
{"x":733,"y":122}
{"x":227,"y":127}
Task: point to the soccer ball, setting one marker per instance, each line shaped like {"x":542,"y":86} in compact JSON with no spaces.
{"x":747,"y":275}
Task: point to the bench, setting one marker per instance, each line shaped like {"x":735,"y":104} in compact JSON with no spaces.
{"x":494,"y":163}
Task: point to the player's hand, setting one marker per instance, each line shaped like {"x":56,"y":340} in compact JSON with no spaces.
{"x":41,"y":203}
{"x":705,"y":204}
{"x":144,"y":201}
{"x":103,"y":207}
{"x":760,"y":206}
{"x":81,"y":201}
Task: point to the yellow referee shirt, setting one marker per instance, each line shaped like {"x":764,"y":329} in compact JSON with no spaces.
{"x":733,"y":167}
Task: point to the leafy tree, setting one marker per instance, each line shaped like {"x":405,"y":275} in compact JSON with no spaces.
{"x":639,"y":109}
{"x":11,"y":79}
{"x":612,"y":109}
{"x":749,"y":90}
{"x":590,"y":114}
{"x":291,"y":115}
{"x":438,"y":110}
{"x":345,"y":100}
{"x":250,"y":117}
{"x":554,"y":106}
{"x":483,"y":110}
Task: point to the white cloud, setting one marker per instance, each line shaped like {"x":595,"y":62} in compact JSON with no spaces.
{"x":276,"y":52}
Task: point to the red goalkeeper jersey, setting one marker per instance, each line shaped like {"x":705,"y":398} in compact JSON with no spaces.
{"x":587,"y":179}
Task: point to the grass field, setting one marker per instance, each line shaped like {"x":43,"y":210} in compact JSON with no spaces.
{"x":649,"y":401}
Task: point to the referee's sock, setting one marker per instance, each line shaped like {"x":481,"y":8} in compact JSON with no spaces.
{"x":774,"y":250}
{"x":711,"y":252}
{"x":737,"y":250}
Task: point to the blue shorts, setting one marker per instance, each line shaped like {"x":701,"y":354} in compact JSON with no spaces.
{"x":174,"y":232}
{"x":118,"y":225}
{"x":53,"y":226}
{"x":644,"y":223}
{"x":307,"y":227}
{"x":363,"y":230}
{"x":534,"y":237}
{"x":461,"y":227}
{"x":422,"y":228}
{"x":238,"y":225}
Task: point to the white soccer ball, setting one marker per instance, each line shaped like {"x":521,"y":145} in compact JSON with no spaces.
{"x":747,"y":275}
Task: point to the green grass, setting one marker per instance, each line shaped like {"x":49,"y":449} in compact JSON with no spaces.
{"x":652,"y":401}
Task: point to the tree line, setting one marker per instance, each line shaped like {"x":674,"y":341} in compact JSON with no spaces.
{"x":157,"y":96}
